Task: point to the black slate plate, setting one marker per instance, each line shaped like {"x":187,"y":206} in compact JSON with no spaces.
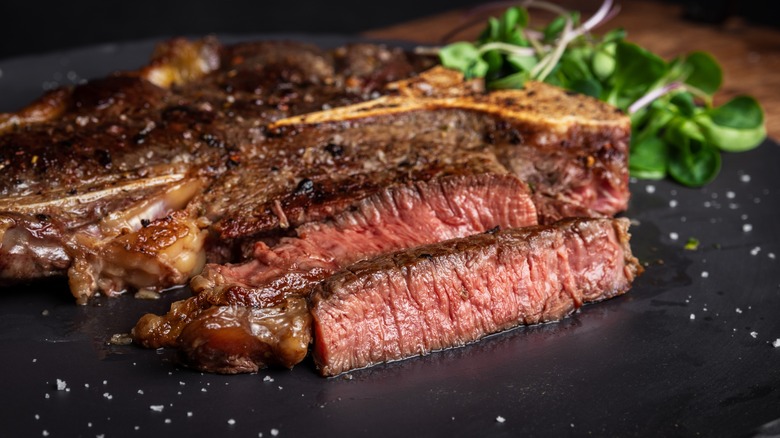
{"x":688,"y":352}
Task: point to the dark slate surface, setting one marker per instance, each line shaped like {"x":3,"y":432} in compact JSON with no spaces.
{"x":688,"y":352}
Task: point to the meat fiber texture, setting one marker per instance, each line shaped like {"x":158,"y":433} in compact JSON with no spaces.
{"x":219,"y":329}
{"x":451,"y":293}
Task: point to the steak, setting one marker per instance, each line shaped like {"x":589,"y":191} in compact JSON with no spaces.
{"x":258,"y":170}
{"x":218,"y":328}
{"x":455,"y":292}
{"x":244,"y":142}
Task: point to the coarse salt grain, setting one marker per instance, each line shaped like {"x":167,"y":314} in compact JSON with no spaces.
{"x":157,"y":408}
{"x":650,"y":188}
{"x":776,"y":343}
{"x":771,"y":255}
{"x":231,"y":421}
{"x":268,"y":379}
{"x":167,"y":421}
{"x":705,"y":274}
{"x":753,"y":334}
{"x":744,"y":178}
{"x":730,"y":194}
{"x":45,"y":432}
{"x":141,"y":391}
{"x":747,"y":228}
{"x":189,"y":414}
{"x":693,"y":316}
{"x":674,"y":236}
{"x":61,"y":385}
{"x":107,"y":396}
{"x":755,"y":251}
{"x":274,"y":432}
{"x":739,"y":310}
{"x":500,"y":419}
{"x":673,"y":203}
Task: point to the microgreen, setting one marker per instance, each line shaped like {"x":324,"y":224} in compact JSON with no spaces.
{"x":677,"y":130}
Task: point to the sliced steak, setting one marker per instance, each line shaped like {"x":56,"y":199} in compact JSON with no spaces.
{"x":451,"y":293}
{"x":399,"y":216}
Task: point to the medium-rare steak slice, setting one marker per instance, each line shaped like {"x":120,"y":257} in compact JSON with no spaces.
{"x":250,"y":315}
{"x":451,"y":293}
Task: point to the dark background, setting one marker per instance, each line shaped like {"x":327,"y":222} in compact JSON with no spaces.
{"x":31,"y":27}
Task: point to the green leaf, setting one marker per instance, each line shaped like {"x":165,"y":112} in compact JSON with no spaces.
{"x":494,"y":61}
{"x":464,"y":57}
{"x":742,"y":112}
{"x":491,"y":32}
{"x":705,"y":74}
{"x":515,"y":80}
{"x":683,"y":101}
{"x":522,"y":63}
{"x":588,"y":87}
{"x":603,"y":62}
{"x":553,"y":29}
{"x":649,"y":158}
{"x":636,"y":71}
{"x":736,"y":126}
{"x":692,"y":161}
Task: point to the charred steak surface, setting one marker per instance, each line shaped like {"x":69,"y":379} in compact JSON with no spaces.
{"x":285,"y":169}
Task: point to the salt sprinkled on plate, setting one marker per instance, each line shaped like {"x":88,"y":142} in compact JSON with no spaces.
{"x":650,"y":189}
{"x":771,"y":255}
{"x":62,"y":385}
{"x":157,"y":408}
{"x":755,"y":251}
{"x":45,"y":432}
{"x":674,"y":236}
{"x":739,"y":310}
{"x":753,"y":334}
{"x":747,"y":228}
{"x":274,"y":432}
{"x":107,"y":396}
{"x":730,"y":194}
{"x":189,"y":413}
{"x":776,"y":343}
{"x":268,"y":379}
{"x":500,"y":419}
{"x":744,"y":178}
{"x":231,"y":421}
{"x":167,"y":421}
{"x":693,"y":316}
{"x":705,"y":274}
{"x":673,"y":203}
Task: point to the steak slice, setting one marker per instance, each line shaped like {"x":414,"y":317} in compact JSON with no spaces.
{"x":226,"y":327}
{"x":451,"y":293}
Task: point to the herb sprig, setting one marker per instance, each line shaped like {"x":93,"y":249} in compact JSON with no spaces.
{"x":677,"y":131}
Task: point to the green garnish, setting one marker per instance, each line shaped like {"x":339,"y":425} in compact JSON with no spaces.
{"x":692,"y":244}
{"x":677,"y":131}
